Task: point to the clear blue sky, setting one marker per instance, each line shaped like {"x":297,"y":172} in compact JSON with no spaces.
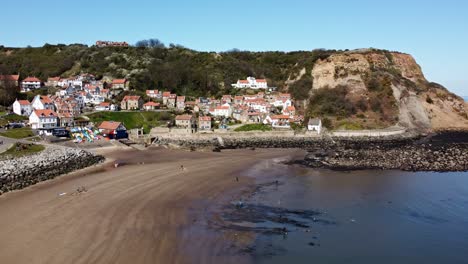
{"x":434,"y":32}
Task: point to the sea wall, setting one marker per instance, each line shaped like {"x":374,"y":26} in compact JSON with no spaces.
{"x":369,"y":133}
{"x":270,"y":140}
{"x":274,"y":139}
{"x":53,"y":161}
{"x":447,"y":151}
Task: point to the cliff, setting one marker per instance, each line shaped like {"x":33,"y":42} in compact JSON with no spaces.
{"x":385,"y":88}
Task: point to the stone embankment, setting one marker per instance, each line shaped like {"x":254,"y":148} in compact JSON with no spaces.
{"x":277,"y":140}
{"x":446,"y":151}
{"x":441,"y":152}
{"x":53,"y":161}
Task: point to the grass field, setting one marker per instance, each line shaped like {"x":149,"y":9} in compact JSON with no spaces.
{"x":14,"y":118}
{"x":131,"y":120}
{"x":19,"y":149}
{"x":18,"y":133}
{"x":253,"y":127}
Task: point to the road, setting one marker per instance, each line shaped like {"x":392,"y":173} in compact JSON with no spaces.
{"x":7,"y":142}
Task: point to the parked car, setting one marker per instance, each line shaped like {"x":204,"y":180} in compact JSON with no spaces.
{"x":61,"y":132}
{"x":14,"y":125}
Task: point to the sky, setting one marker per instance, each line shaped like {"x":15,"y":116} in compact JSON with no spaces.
{"x":434,"y":32}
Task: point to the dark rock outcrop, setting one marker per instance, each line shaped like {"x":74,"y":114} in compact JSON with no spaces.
{"x":441,"y":152}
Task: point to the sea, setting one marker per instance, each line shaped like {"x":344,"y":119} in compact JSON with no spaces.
{"x":465,"y":98}
{"x":369,"y":216}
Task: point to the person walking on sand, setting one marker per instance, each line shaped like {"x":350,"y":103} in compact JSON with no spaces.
{"x":237,"y":179}
{"x":182,"y":167}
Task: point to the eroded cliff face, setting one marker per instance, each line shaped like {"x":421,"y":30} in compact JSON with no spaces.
{"x":418,"y":104}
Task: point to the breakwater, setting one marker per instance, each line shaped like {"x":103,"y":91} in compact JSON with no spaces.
{"x":444,"y":151}
{"x":275,"y":140}
{"x":53,"y":161}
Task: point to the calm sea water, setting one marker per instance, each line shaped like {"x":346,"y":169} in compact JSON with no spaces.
{"x":380,"y":216}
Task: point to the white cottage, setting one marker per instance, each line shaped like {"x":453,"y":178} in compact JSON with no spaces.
{"x":42,"y":102}
{"x":251,"y":83}
{"x":30,"y":83}
{"x":315,"y":124}
{"x":22,"y":107}
{"x":222,"y":110}
{"x":43,"y":119}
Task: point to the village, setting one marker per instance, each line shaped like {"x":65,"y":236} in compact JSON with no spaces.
{"x":64,"y":112}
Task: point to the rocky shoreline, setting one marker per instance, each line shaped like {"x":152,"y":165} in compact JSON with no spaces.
{"x":21,"y":172}
{"x":443,"y":151}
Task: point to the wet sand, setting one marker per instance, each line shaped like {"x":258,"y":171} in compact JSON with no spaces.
{"x":136,"y":213}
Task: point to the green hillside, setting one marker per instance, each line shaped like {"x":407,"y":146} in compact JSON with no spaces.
{"x":175,"y":68}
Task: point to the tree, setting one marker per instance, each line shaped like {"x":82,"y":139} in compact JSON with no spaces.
{"x":150,"y":43}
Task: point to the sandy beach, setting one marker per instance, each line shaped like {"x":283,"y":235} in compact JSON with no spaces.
{"x":135,"y":213}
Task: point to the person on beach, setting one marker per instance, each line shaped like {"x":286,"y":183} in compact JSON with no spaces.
{"x":285,"y":232}
{"x":182,"y":167}
{"x":237,"y":179}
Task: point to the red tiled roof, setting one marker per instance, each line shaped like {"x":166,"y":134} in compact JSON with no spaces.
{"x":65,"y":114}
{"x":109,"y":125}
{"x":261,"y":80}
{"x":166,"y":94}
{"x":24,"y":102}
{"x":45,"y":112}
{"x":151,"y":104}
{"x":180,"y":98}
{"x":152,"y":91}
{"x":243,"y":81}
{"x":280,"y":117}
{"x":204,"y":118}
{"x":119,"y":81}
{"x":9,"y":78}
{"x":131,"y":98}
{"x":183,"y":117}
{"x":31,"y":79}
{"x":104,"y":104}
{"x":222,"y":107}
{"x":53,"y":79}
{"x":46,"y":100}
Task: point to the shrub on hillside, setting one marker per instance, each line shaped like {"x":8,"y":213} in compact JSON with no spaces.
{"x":300,"y":89}
{"x":253,"y":127}
{"x":429,"y":100}
{"x":332,"y":102}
